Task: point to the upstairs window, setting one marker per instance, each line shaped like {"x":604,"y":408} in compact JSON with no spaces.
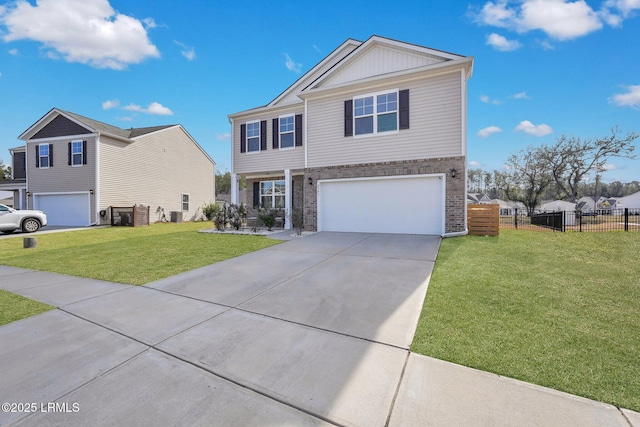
{"x":376,"y":113}
{"x":76,"y":153}
{"x":287,"y":129}
{"x":253,"y":136}
{"x":44,"y":156}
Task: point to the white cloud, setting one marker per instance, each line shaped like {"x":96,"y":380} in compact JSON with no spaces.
{"x":609,"y":167}
{"x":487,"y":100}
{"x":488,"y":131}
{"x":559,"y":19}
{"x":89,"y":32}
{"x":291,"y":64}
{"x":520,"y":95}
{"x":615,"y":11}
{"x":474,"y":164}
{"x":536,"y":130}
{"x":629,"y":99}
{"x":501,"y":43}
{"x":153,"y":108}
{"x":187,"y":51}
{"x":13,"y":52}
{"x":109,"y":104}
{"x":223,"y":136}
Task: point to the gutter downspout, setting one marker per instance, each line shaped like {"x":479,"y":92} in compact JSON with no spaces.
{"x":96,"y":191}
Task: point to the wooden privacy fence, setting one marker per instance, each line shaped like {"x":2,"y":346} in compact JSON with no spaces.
{"x":133,"y":216}
{"x":483,"y":220}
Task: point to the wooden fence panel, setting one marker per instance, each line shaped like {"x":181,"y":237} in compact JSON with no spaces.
{"x":483,"y":220}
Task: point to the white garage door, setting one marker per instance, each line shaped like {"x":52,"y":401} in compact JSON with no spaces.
{"x":64,"y":209}
{"x":411,"y":205}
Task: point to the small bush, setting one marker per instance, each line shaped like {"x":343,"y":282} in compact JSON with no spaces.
{"x":210,"y":209}
{"x":268,"y":216}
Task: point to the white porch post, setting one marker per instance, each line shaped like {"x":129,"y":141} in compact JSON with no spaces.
{"x":287,"y":199}
{"x":21,"y":199}
{"x":234,"y":189}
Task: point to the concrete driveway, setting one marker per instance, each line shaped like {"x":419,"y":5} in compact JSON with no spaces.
{"x":315,"y":331}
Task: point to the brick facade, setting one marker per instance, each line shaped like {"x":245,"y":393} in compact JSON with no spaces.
{"x":455,"y":197}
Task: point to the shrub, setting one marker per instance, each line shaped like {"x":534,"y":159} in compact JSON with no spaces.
{"x":210,"y":209}
{"x":268,"y":216}
{"x":297,"y":219}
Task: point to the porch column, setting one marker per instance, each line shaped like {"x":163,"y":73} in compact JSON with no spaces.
{"x":21,"y":198}
{"x":287,"y":199}
{"x":234,"y":189}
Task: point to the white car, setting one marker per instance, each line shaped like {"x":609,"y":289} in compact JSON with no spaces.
{"x":13,"y":219}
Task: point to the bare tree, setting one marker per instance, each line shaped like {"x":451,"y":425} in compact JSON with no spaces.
{"x":526,"y":177}
{"x":570,"y":160}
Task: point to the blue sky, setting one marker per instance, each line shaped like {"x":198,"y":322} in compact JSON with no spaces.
{"x":543,"y":68}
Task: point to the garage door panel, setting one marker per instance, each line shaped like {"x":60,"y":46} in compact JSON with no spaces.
{"x":411,"y":205}
{"x":64,"y":209}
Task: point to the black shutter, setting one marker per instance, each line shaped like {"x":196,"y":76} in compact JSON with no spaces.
{"x":37,"y":156}
{"x":275,"y":134}
{"x":348,"y":118}
{"x":84,"y":152}
{"x":293,"y":191}
{"x":69,"y":154}
{"x":50,"y":155}
{"x":243,"y":138}
{"x":256,"y":194}
{"x":263,"y":135}
{"x":298,"y":130}
{"x":404,"y":108}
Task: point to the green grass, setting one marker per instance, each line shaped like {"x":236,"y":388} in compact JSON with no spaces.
{"x":15,"y":307}
{"x":561,"y":310}
{"x":132,"y":255}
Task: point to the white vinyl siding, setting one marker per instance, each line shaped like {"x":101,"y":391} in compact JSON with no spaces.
{"x":269,"y":160}
{"x":380,"y":60}
{"x":436,"y":125}
{"x":173,"y":165}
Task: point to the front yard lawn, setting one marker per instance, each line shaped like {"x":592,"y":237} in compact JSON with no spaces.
{"x":132,"y":255}
{"x":561,"y":310}
{"x":15,"y":307}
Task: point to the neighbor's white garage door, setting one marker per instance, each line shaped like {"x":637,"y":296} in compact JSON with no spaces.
{"x":412,"y":205}
{"x":64,"y":209}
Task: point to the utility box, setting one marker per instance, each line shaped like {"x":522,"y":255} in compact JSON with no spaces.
{"x":176,"y":216}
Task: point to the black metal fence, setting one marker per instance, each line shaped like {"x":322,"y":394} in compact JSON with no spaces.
{"x":604,"y":220}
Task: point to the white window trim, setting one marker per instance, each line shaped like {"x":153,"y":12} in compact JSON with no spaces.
{"x":182,"y":202}
{"x":247,"y":137}
{"x":375,"y":114}
{"x":273,"y":194}
{"x":293,"y":132}
{"x":40,"y":156}
{"x":81,"y":154}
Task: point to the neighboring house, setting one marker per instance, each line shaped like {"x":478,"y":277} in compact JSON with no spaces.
{"x":632,"y":201}
{"x":17,"y":185}
{"x":587,"y":203}
{"x":556,"y":206}
{"x":371,"y":139}
{"x":508,"y":207}
{"x":74,"y":168}
{"x":479,"y":198}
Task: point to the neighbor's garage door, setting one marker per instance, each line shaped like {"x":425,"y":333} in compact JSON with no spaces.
{"x":64,"y":209}
{"x":412,"y":205}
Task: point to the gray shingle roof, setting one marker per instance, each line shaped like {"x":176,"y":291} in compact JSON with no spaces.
{"x":114,"y":130}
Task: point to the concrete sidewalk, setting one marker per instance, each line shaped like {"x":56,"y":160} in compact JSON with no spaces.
{"x":315,"y":331}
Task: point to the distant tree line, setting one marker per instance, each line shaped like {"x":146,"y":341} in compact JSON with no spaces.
{"x":5,"y":171}
{"x":558,"y":171}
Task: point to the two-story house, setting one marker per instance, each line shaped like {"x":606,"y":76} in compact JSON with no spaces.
{"x":371,"y":139}
{"x":74,"y":169}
